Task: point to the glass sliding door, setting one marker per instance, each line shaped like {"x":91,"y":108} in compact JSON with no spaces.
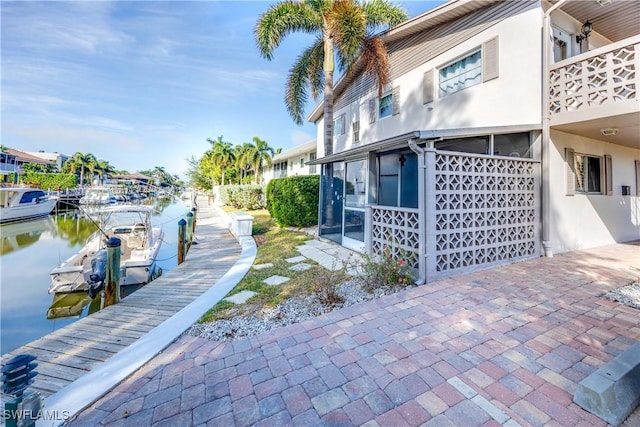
{"x":331,"y":201}
{"x":355,"y":198}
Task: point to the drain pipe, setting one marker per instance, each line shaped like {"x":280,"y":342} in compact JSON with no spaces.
{"x":546,"y":133}
{"x":422,"y":211}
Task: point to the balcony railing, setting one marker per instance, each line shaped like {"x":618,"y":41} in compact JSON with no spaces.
{"x":599,"y":83}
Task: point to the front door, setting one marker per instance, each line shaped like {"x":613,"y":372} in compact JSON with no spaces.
{"x":355,"y":198}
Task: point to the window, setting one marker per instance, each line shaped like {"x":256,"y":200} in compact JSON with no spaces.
{"x":512,"y":145}
{"x":312,"y":157}
{"x":398,"y":179}
{"x":588,"y":173}
{"x":302,"y":163}
{"x":476,"y":144}
{"x":338,"y":125}
{"x":385,"y":108}
{"x":461,"y":74}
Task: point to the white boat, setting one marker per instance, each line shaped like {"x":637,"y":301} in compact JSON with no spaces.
{"x":98,"y":196}
{"x":140,"y":243}
{"x":18,"y":203}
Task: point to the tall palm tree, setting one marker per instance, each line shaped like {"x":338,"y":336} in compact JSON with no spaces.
{"x":83,"y":162}
{"x":258,"y":153}
{"x":345,"y":29}
{"x":222,"y":154}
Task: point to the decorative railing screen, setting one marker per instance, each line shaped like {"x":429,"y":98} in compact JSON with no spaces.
{"x":485,"y":213}
{"x":602,"y":79}
{"x":395,"y":231}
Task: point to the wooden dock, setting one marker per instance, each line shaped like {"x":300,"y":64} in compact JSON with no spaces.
{"x":70,"y":352}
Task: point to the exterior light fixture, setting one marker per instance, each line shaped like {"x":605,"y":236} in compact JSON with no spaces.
{"x":609,"y":131}
{"x":587,"y":27}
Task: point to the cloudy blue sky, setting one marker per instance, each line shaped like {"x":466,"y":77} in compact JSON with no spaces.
{"x":144,"y":83}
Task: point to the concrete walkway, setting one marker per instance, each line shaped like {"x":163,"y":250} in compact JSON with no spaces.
{"x":505,"y":346}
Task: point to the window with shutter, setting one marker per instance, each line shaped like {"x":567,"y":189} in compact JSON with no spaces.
{"x":356,"y":131}
{"x":461,"y":74}
{"x":490,"y":61}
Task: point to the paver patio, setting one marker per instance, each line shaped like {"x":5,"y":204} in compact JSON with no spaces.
{"x":505,"y":346}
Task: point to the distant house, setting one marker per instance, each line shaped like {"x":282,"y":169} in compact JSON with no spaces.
{"x":508,"y":130}
{"x":55,"y":158}
{"x":11,"y":161}
{"x":292,"y":162}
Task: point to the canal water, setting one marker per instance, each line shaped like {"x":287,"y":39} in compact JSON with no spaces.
{"x":30,"y":249}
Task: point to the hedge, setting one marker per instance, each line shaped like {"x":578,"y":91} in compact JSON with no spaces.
{"x":293,"y":201}
{"x":50,"y":181}
{"x":242,"y":196}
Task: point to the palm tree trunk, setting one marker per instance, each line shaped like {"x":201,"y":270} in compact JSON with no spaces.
{"x":328,"y":130}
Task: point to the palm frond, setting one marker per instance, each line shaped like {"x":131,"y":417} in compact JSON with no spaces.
{"x":282,"y":19}
{"x":382,"y":14}
{"x":375,"y":60}
{"x":306,"y":73}
{"x":346,"y":24}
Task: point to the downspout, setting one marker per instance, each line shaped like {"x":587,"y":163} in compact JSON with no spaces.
{"x":546,"y":133}
{"x":422,"y":211}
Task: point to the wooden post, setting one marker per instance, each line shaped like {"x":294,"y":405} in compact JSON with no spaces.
{"x":194,"y":211}
{"x":189,"y":230}
{"x":182,"y":225}
{"x":112,"y":276}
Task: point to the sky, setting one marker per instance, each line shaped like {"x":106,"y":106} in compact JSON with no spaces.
{"x":142,"y":84}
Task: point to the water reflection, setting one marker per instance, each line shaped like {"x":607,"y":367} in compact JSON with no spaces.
{"x":19,"y":235}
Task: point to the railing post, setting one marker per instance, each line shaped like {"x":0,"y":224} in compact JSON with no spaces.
{"x":182,"y":225}
{"x":112,"y":276}
{"x":368,"y":228}
{"x":194,"y":210}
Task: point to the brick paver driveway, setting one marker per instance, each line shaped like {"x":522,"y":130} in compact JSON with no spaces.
{"x":503,"y":346}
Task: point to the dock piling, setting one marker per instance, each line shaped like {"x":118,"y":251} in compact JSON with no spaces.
{"x":189,"y":236}
{"x":112,"y":279}
{"x":182,"y":225}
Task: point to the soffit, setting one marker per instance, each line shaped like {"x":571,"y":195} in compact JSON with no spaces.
{"x":616,"y":20}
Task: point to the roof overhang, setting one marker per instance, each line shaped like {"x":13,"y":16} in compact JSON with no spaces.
{"x":420,"y":136}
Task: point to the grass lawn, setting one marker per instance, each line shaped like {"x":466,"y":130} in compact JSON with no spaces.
{"x":275,"y":244}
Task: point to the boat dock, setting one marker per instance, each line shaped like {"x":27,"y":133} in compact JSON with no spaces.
{"x":71,"y":352}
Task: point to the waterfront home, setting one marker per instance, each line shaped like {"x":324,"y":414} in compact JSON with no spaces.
{"x":508,"y":130}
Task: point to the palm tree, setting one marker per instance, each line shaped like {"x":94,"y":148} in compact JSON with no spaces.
{"x":222,"y":154}
{"x":240,"y":152}
{"x":256,"y":154}
{"x":103,"y":168}
{"x":345,"y":29}
{"x":82,"y":161}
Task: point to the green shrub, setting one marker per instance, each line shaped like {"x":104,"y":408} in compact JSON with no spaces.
{"x":50,"y":181}
{"x":242,"y":196}
{"x":293,"y":201}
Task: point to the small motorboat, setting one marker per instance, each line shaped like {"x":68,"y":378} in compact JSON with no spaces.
{"x":98,"y":196}
{"x":17,"y":203}
{"x":139,"y":245}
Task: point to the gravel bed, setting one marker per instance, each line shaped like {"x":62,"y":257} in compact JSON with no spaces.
{"x":293,"y":310}
{"x":627,"y":295}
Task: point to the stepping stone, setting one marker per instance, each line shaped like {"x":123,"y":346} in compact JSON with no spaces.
{"x":295,"y":259}
{"x":263,"y":266}
{"x":275,"y":280}
{"x":241,"y":297}
{"x":303,"y":266}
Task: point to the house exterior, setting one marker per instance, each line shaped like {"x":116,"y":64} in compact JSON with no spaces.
{"x":503,"y":134}
{"x":292,"y":162}
{"x":52,"y":157}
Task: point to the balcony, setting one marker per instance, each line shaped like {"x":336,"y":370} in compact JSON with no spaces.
{"x":596,"y":90}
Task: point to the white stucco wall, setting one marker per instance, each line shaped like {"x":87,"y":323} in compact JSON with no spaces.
{"x":513,"y":98}
{"x":585,"y":221}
